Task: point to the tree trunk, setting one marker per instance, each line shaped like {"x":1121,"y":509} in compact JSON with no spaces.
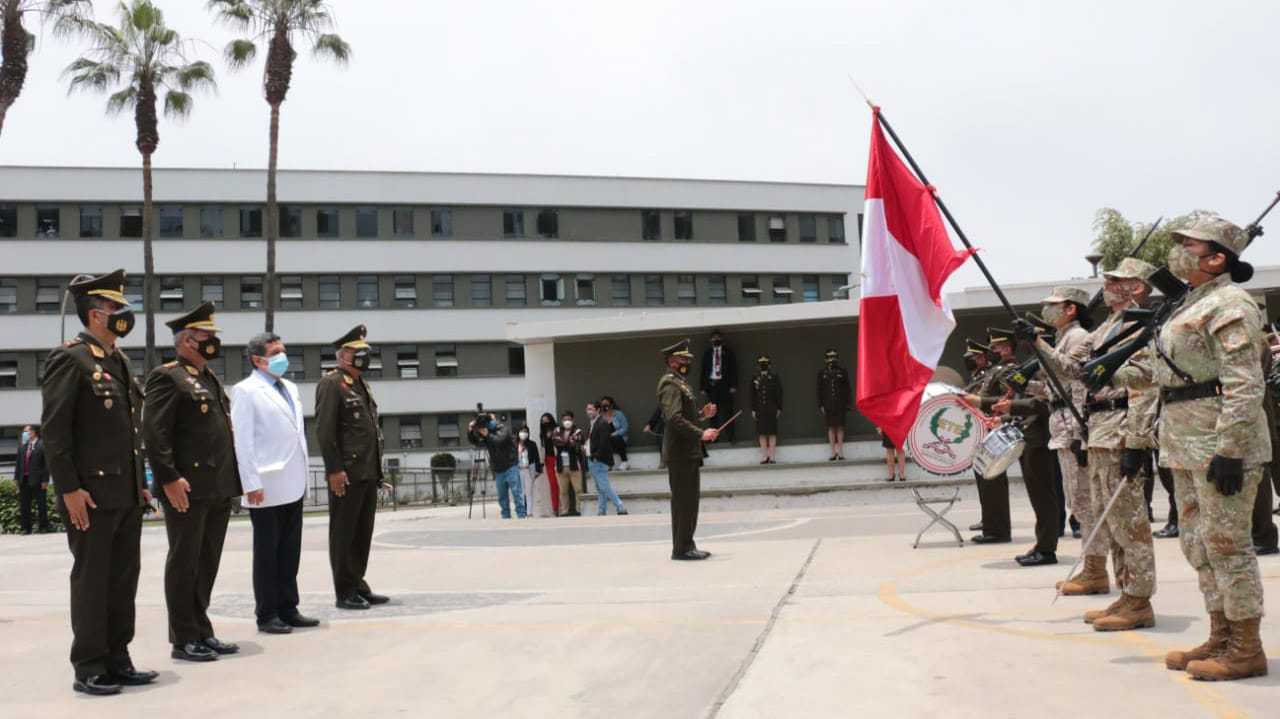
{"x":272,"y":220}
{"x":148,"y":265}
{"x":4,"y":110}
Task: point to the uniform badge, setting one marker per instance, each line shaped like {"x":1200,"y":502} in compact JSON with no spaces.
{"x":347,"y":378}
{"x":357,"y":415}
{"x":107,"y":403}
{"x":97,"y":376}
{"x":97,"y":351}
{"x":106,"y":376}
{"x":192,"y":370}
{"x":204,"y":409}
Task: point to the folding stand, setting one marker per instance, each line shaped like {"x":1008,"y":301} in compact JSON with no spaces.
{"x":936,"y":517}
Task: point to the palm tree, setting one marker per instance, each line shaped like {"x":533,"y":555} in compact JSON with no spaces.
{"x":135,"y":62}
{"x":278,"y":23}
{"x":16,"y":42}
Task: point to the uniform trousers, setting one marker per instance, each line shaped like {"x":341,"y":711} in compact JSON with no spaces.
{"x":351,"y":536}
{"x":718,"y":393}
{"x":191,"y":567}
{"x":104,"y":582}
{"x":993,"y":496}
{"x":1215,"y":535}
{"x":1166,"y":481}
{"x":685,"y":479}
{"x":1264,"y":522}
{"x":277,"y":551}
{"x":1037,"y":475}
{"x":1082,"y":503}
{"x":27,"y":496}
{"x":1128,"y":527}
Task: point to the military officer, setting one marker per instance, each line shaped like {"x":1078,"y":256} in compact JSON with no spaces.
{"x":93,"y":446}
{"x":993,"y":494}
{"x":835,"y":397}
{"x":187,"y":428}
{"x":977,"y":361}
{"x":1213,"y":438}
{"x":351,"y":444}
{"x":682,"y":448}
{"x":766,"y":408}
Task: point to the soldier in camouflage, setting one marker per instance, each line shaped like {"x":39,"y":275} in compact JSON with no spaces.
{"x":1213,"y":438}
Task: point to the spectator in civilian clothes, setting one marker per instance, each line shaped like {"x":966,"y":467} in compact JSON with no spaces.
{"x":600,"y":456}
{"x":620,"y":429}
{"x":653,"y":428}
{"x":568,"y":441}
{"x":546,"y":436}
{"x":530,"y":465}
{"x":720,"y":380}
{"x":503,"y":457}
{"x":32,"y":480}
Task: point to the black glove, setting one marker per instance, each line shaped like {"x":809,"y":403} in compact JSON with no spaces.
{"x":1023,"y":328}
{"x":1082,"y":455}
{"x":1227,"y":474}
{"x":1131,"y":462}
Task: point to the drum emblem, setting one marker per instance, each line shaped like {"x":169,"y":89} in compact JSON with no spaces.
{"x":944,"y":436}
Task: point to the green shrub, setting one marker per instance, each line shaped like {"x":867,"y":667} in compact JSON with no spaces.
{"x":10,"y":512}
{"x":443,"y":460}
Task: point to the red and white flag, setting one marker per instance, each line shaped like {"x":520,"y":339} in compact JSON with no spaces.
{"x":904,"y":320}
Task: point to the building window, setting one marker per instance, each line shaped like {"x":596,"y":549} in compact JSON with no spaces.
{"x":328,"y":359}
{"x":835,"y":228}
{"x":219,"y":366}
{"x":515,"y":359}
{"x":548,"y":223}
{"x":750,"y":290}
{"x":808,"y":228}
{"x":297,"y":363}
{"x":366,"y":222}
{"x":684,"y":225}
{"x":48,"y":294}
{"x":777,"y":228}
{"x":717,"y":290}
{"x":169,"y":221}
{"x":133,"y":290}
{"x":517,"y":291}
{"x":442,"y":290}
{"x":482,"y":290}
{"x":8,"y":221}
{"x":651,"y":224}
{"x":621,"y":292}
{"x":211,"y":290}
{"x":131,"y":222}
{"x":584,"y":288}
{"x":552,"y":289}
{"x":8,"y":295}
{"x":441,"y":222}
{"x":447,"y":432}
{"x":809,"y":288}
{"x":327,"y":222}
{"x":90,"y":221}
{"x":330,"y":292}
{"x":402,"y":221}
{"x":406,"y":291}
{"x":171,"y":294}
{"x":290,"y":220}
{"x":746,"y":228}
{"x":513,"y":223}
{"x":686,"y":290}
{"x":781,"y":290}
{"x":411,"y":433}
{"x":375,"y":364}
{"x":407,"y":361}
{"x":250,"y":221}
{"x":290,"y":292}
{"x":48,"y":222}
{"x":653,"y":290}
{"x":210,"y":221}
{"x":446,"y":360}
{"x":367,"y":292}
{"x":8,"y":369}
{"x":840,"y":286}
{"x":251,"y":292}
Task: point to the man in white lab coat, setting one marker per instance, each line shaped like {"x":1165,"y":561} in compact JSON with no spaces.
{"x":271,"y":449}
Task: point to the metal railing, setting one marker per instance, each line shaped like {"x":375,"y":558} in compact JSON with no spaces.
{"x":409,"y":487}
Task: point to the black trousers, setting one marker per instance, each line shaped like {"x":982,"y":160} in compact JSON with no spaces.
{"x":620,"y":448}
{"x":1166,"y":481}
{"x":27,"y":497}
{"x":104,"y":582}
{"x":277,"y":550}
{"x":1037,"y":474}
{"x":1058,"y":492}
{"x":684,"y":477}
{"x":191,"y":567}
{"x":1264,"y":523}
{"x":351,"y":536}
{"x":719,"y":394}
{"x":993,"y":495}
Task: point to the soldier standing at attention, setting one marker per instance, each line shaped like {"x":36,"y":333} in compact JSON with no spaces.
{"x":187,"y":428}
{"x":682,"y":448}
{"x":766,"y":408}
{"x":93,"y":447}
{"x":993,"y":494}
{"x":835,"y":397}
{"x":1212,"y":436}
{"x":351,"y":444}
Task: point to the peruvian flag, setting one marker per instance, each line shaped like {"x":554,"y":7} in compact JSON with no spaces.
{"x":904,"y":320}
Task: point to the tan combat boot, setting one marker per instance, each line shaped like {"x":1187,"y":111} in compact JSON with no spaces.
{"x":1243,"y":659}
{"x":1091,"y":580}
{"x":1219,"y":634}
{"x":1094,"y":614}
{"x":1136,"y":613}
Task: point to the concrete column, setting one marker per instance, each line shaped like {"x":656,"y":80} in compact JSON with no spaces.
{"x":540,"y":381}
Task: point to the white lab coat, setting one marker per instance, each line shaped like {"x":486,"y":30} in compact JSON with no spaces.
{"x":271,"y":443}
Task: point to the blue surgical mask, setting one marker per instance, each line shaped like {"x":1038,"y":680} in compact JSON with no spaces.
{"x":278,"y":364}
{"x":493,"y":424}
{"x":26,"y":437}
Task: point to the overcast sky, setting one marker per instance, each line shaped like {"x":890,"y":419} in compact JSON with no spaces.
{"x":1028,"y":116}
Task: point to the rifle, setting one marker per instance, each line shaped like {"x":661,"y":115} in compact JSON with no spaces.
{"x":1254,"y":229}
{"x":1018,"y":378}
{"x":1096,"y":300}
{"x":1098,"y":372}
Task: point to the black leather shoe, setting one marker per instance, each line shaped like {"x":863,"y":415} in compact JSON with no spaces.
{"x":99,"y":685}
{"x":131,"y":677}
{"x":976,"y":527}
{"x":355,"y":601}
{"x":1075,"y":534}
{"x":691,"y":555}
{"x":1263,"y":551}
{"x":372,"y":598}
{"x":274,"y":625}
{"x":989,"y":539}
{"x":1170,"y":531}
{"x":301,"y":622}
{"x":221,"y":647}
{"x":1036,"y":559}
{"x":194,"y":652}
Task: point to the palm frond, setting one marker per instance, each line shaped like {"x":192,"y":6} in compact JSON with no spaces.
{"x":123,"y":100}
{"x":195,"y":76}
{"x":177,"y":103}
{"x":240,"y":53}
{"x":332,"y":47}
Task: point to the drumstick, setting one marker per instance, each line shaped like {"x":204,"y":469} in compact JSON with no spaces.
{"x":728,"y":421}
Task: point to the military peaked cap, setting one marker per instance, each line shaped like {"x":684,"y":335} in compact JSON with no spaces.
{"x":972,"y":347}
{"x":997,"y":334}
{"x":353,"y":339}
{"x":679,"y":349}
{"x":831,"y":354}
{"x":110,"y":286}
{"x":201,"y":318}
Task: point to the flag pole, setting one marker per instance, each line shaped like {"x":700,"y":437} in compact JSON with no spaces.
{"x":1050,"y":375}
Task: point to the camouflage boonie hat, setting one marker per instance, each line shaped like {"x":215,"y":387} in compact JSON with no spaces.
{"x":1130,"y":268}
{"x":1216,"y":229}
{"x":1066,"y":293}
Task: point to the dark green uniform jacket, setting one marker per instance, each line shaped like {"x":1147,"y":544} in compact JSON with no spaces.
{"x":347,"y":427}
{"x":187,"y":427}
{"x":682,"y":438}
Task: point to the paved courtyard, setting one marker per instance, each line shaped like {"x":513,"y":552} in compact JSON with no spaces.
{"x":808,"y":612}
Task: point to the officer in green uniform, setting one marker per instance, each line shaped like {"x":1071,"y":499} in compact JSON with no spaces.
{"x":682,"y":448}
{"x":977,"y":361}
{"x":766,"y":408}
{"x":993,"y":494}
{"x":93,"y":445}
{"x":187,"y":428}
{"x":835,"y":397}
{"x":351,"y":444}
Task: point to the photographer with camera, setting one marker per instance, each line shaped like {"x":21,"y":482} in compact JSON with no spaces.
{"x":487,"y":430}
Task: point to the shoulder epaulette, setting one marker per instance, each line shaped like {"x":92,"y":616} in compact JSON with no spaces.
{"x":170,"y":365}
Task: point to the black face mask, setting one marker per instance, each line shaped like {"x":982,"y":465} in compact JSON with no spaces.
{"x":715,"y":343}
{"x":210,"y":348}
{"x":120,"y":322}
{"x":360,"y":360}
{"x":764,"y":366}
